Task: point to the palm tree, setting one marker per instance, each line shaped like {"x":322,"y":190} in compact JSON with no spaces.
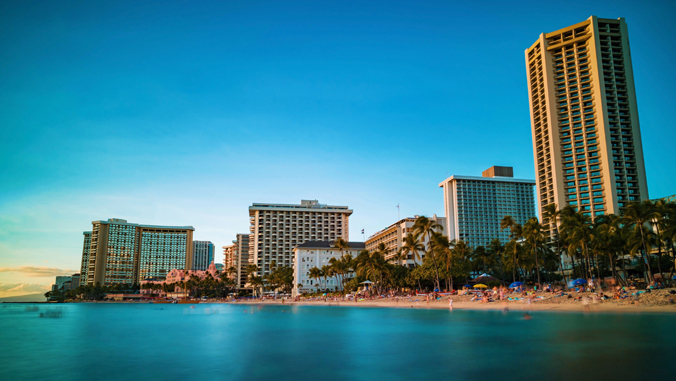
{"x":372,"y":266}
{"x":341,"y":245}
{"x":578,"y":230}
{"x":461,"y":257}
{"x":327,"y":271}
{"x":440,"y":248}
{"x":412,"y":247}
{"x":316,"y":274}
{"x":424,"y":227}
{"x":533,"y":235}
{"x":515,"y":234}
{"x":251,"y":271}
{"x":551,"y":215}
{"x":608,"y":240}
{"x":482,"y":257}
{"x":399,"y":257}
{"x":495,"y":249}
{"x":638,"y":214}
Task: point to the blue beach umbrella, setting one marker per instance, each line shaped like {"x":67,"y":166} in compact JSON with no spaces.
{"x":467,"y":285}
{"x":516,"y":284}
{"x":576,"y":282}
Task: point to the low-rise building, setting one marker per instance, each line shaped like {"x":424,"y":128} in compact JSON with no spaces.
{"x":177,"y":277}
{"x":317,"y":254}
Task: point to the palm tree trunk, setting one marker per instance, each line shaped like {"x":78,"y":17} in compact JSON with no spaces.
{"x":514,"y":267}
{"x":673,"y":259}
{"x":659,"y":256}
{"x":537,"y":265}
{"x":647,"y":255}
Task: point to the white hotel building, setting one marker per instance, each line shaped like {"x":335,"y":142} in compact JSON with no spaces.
{"x":475,"y":206}
{"x":276,"y":229}
{"x":317,"y":254}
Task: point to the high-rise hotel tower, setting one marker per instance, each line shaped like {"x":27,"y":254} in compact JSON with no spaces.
{"x":119,"y":252}
{"x":584,"y":118}
{"x":277,"y":228}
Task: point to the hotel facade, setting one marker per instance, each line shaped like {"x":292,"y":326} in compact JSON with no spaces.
{"x":203,"y":255}
{"x":584,"y":118}
{"x":237,"y":256}
{"x":317,"y":254}
{"x":474,"y":206}
{"x":84,"y":266}
{"x":393,"y":238}
{"x":277,"y":228}
{"x":127,"y":253}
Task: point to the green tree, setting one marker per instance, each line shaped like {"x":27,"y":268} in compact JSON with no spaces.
{"x":534,"y":238}
{"x":639,"y":215}
{"x":423,"y":227}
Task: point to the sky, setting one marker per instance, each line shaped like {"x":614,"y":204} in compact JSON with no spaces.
{"x":186,"y":113}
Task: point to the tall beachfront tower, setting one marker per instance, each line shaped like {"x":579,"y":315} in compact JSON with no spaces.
{"x":277,"y":228}
{"x":84,"y":266}
{"x":203,"y":255}
{"x":125,"y":253}
{"x":474,"y":206}
{"x":584,"y":118}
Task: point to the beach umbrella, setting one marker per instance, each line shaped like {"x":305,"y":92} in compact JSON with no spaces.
{"x":366,"y":282}
{"x":516,"y":285}
{"x":485,"y":278}
{"x":480,"y":286}
{"x":467,"y":286}
{"x":576,"y":282}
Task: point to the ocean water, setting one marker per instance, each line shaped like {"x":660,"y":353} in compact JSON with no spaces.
{"x":308,"y":343}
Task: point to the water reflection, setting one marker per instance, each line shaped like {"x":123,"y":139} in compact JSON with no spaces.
{"x":217,"y":341}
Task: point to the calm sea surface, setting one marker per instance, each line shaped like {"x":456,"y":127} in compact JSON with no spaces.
{"x":222,"y":342}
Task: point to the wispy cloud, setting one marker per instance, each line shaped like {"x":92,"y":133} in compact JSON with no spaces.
{"x":37,"y":271}
{"x":15,"y":289}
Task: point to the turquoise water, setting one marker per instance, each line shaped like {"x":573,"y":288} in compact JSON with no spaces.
{"x":222,"y":342}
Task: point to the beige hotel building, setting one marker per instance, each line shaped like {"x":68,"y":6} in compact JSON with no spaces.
{"x":584,"y":118}
{"x":237,"y":256}
{"x":277,"y":228}
{"x":393,"y":238}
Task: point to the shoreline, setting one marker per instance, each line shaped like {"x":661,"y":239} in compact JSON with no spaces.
{"x":475,"y":306}
{"x":659,"y":301}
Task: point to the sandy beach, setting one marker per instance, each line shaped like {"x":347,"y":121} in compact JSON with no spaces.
{"x":654,"y":302}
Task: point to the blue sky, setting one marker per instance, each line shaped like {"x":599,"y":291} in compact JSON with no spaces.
{"x":185,"y":113}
